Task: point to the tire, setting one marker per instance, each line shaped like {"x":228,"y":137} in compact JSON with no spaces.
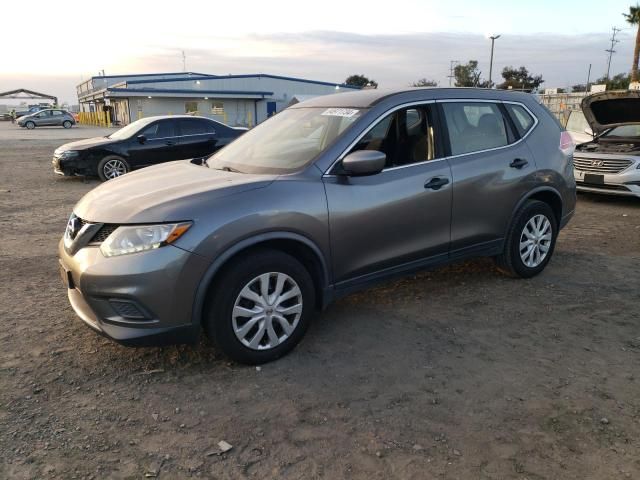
{"x":537,"y":248}
{"x":111,"y":167}
{"x":254,"y":343}
{"x":30,"y":125}
{"x":66,"y":124}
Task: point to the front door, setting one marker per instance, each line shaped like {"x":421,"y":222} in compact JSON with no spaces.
{"x":160,"y":144}
{"x":43,"y":118}
{"x":400,"y":217}
{"x":492,"y":170}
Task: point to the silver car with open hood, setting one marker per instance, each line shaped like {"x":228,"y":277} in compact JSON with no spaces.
{"x":610,"y":163}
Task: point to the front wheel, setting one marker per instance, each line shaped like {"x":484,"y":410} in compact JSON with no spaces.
{"x":30,"y":125}
{"x":530,"y":241}
{"x":260,"y":307}
{"x":111,"y":167}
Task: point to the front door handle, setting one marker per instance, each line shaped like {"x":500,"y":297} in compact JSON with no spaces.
{"x":169,"y":142}
{"x":519,"y":163}
{"x":436,"y":183}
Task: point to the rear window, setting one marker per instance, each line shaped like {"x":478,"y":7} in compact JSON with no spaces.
{"x":521,"y":118}
{"x":193,"y":126}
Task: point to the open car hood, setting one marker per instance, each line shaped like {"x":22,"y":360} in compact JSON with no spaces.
{"x":611,"y":109}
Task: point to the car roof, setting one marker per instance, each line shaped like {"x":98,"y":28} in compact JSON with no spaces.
{"x":371,"y":97}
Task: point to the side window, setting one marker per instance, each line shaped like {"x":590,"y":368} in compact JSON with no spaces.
{"x":521,"y":118}
{"x":191,"y":107}
{"x":193,"y":126}
{"x":161,"y":129}
{"x":405,"y":136}
{"x":56,"y":113}
{"x":474,"y":126}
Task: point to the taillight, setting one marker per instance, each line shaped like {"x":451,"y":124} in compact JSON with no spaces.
{"x":566,"y":143}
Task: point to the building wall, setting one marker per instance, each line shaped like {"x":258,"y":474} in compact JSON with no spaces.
{"x":236,"y":112}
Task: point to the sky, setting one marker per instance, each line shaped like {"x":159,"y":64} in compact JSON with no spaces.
{"x":56,"y":45}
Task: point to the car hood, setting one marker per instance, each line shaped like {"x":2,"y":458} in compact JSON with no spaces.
{"x":86,"y":143}
{"x":611,"y":109}
{"x":173,"y":191}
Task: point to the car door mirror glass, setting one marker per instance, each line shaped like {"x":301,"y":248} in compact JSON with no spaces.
{"x":364,"y":162}
{"x":142,"y":138}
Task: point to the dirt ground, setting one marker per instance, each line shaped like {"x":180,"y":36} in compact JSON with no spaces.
{"x":458,"y":373}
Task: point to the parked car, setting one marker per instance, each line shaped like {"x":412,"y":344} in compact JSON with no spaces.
{"x":145,"y":142}
{"x":51,"y":117}
{"x":578,"y":127}
{"x":329,"y":196}
{"x":610,"y":162}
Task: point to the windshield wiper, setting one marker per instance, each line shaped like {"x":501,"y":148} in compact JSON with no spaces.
{"x":228,"y":169}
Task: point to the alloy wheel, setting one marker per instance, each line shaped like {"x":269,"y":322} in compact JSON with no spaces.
{"x":114,"y":168}
{"x":267,"y":311}
{"x":535,"y":240}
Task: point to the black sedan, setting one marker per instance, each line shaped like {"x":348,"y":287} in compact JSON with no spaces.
{"x":145,"y":142}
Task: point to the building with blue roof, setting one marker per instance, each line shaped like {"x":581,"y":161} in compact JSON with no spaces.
{"x":237,"y":100}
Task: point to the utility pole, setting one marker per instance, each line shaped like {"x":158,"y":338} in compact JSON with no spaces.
{"x":184,"y":62}
{"x":452,"y":65}
{"x":493,"y":39}
{"x":610,"y":50}
{"x":586,"y":87}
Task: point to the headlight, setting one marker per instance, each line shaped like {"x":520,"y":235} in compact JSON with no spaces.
{"x":69,"y":154}
{"x":132,"y":239}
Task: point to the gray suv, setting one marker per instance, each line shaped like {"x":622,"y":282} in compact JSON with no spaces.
{"x":51,"y":117}
{"x":329,"y":196}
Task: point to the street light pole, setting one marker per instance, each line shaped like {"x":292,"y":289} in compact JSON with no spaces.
{"x":493,"y":39}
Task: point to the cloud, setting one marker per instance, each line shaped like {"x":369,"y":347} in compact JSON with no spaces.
{"x":392,"y":60}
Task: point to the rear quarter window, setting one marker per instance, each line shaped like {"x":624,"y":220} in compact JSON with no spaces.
{"x":521,"y":118}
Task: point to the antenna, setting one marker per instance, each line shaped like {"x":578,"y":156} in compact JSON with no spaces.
{"x":610,"y":50}
{"x":184,"y":62}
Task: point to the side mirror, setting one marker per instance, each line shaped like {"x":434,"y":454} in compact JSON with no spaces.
{"x":363,"y":162}
{"x":141,"y":138}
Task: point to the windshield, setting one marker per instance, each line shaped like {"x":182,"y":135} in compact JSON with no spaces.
{"x":129,"y":130}
{"x":577,"y":123}
{"x":625,"y":131}
{"x":286,"y":142}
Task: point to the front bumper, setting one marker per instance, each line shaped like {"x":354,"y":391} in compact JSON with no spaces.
{"x":144,"y":298}
{"x":626,"y":183}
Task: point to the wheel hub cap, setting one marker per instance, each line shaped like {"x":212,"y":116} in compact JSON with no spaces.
{"x":267,"y":311}
{"x":114,"y":168}
{"x":535,"y":241}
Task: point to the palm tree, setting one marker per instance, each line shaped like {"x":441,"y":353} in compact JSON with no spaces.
{"x":633,"y":18}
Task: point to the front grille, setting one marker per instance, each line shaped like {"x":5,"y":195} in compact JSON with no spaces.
{"x":102,"y":234}
{"x":599,"y":165}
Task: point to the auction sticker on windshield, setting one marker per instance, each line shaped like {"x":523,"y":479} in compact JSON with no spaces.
{"x":340,"y":112}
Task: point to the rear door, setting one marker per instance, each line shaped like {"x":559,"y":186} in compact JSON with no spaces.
{"x":161,"y":144}
{"x":198,"y":137}
{"x":57,"y":117}
{"x":492,"y":170}
{"x":399,"y":217}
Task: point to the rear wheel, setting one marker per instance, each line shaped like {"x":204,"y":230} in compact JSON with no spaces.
{"x":530,"y":241}
{"x":30,"y":125}
{"x":111,"y":167}
{"x":260,"y":307}
{"x":66,"y":124}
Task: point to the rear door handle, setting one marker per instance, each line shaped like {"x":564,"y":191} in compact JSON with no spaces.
{"x":436,"y":183}
{"x":519,"y":163}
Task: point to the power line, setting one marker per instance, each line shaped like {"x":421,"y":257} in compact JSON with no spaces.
{"x":610,"y":50}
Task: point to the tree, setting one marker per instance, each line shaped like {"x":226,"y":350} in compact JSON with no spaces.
{"x":468,"y":75}
{"x":520,"y":79}
{"x":423,"y":82}
{"x":581,"y":87}
{"x":360,"y":81}
{"x":617,"y":82}
{"x":633,"y":18}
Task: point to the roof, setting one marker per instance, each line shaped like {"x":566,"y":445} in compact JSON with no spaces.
{"x":371,"y":97}
{"x":251,"y":75}
{"x":151,"y":74}
{"x":198,"y":93}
